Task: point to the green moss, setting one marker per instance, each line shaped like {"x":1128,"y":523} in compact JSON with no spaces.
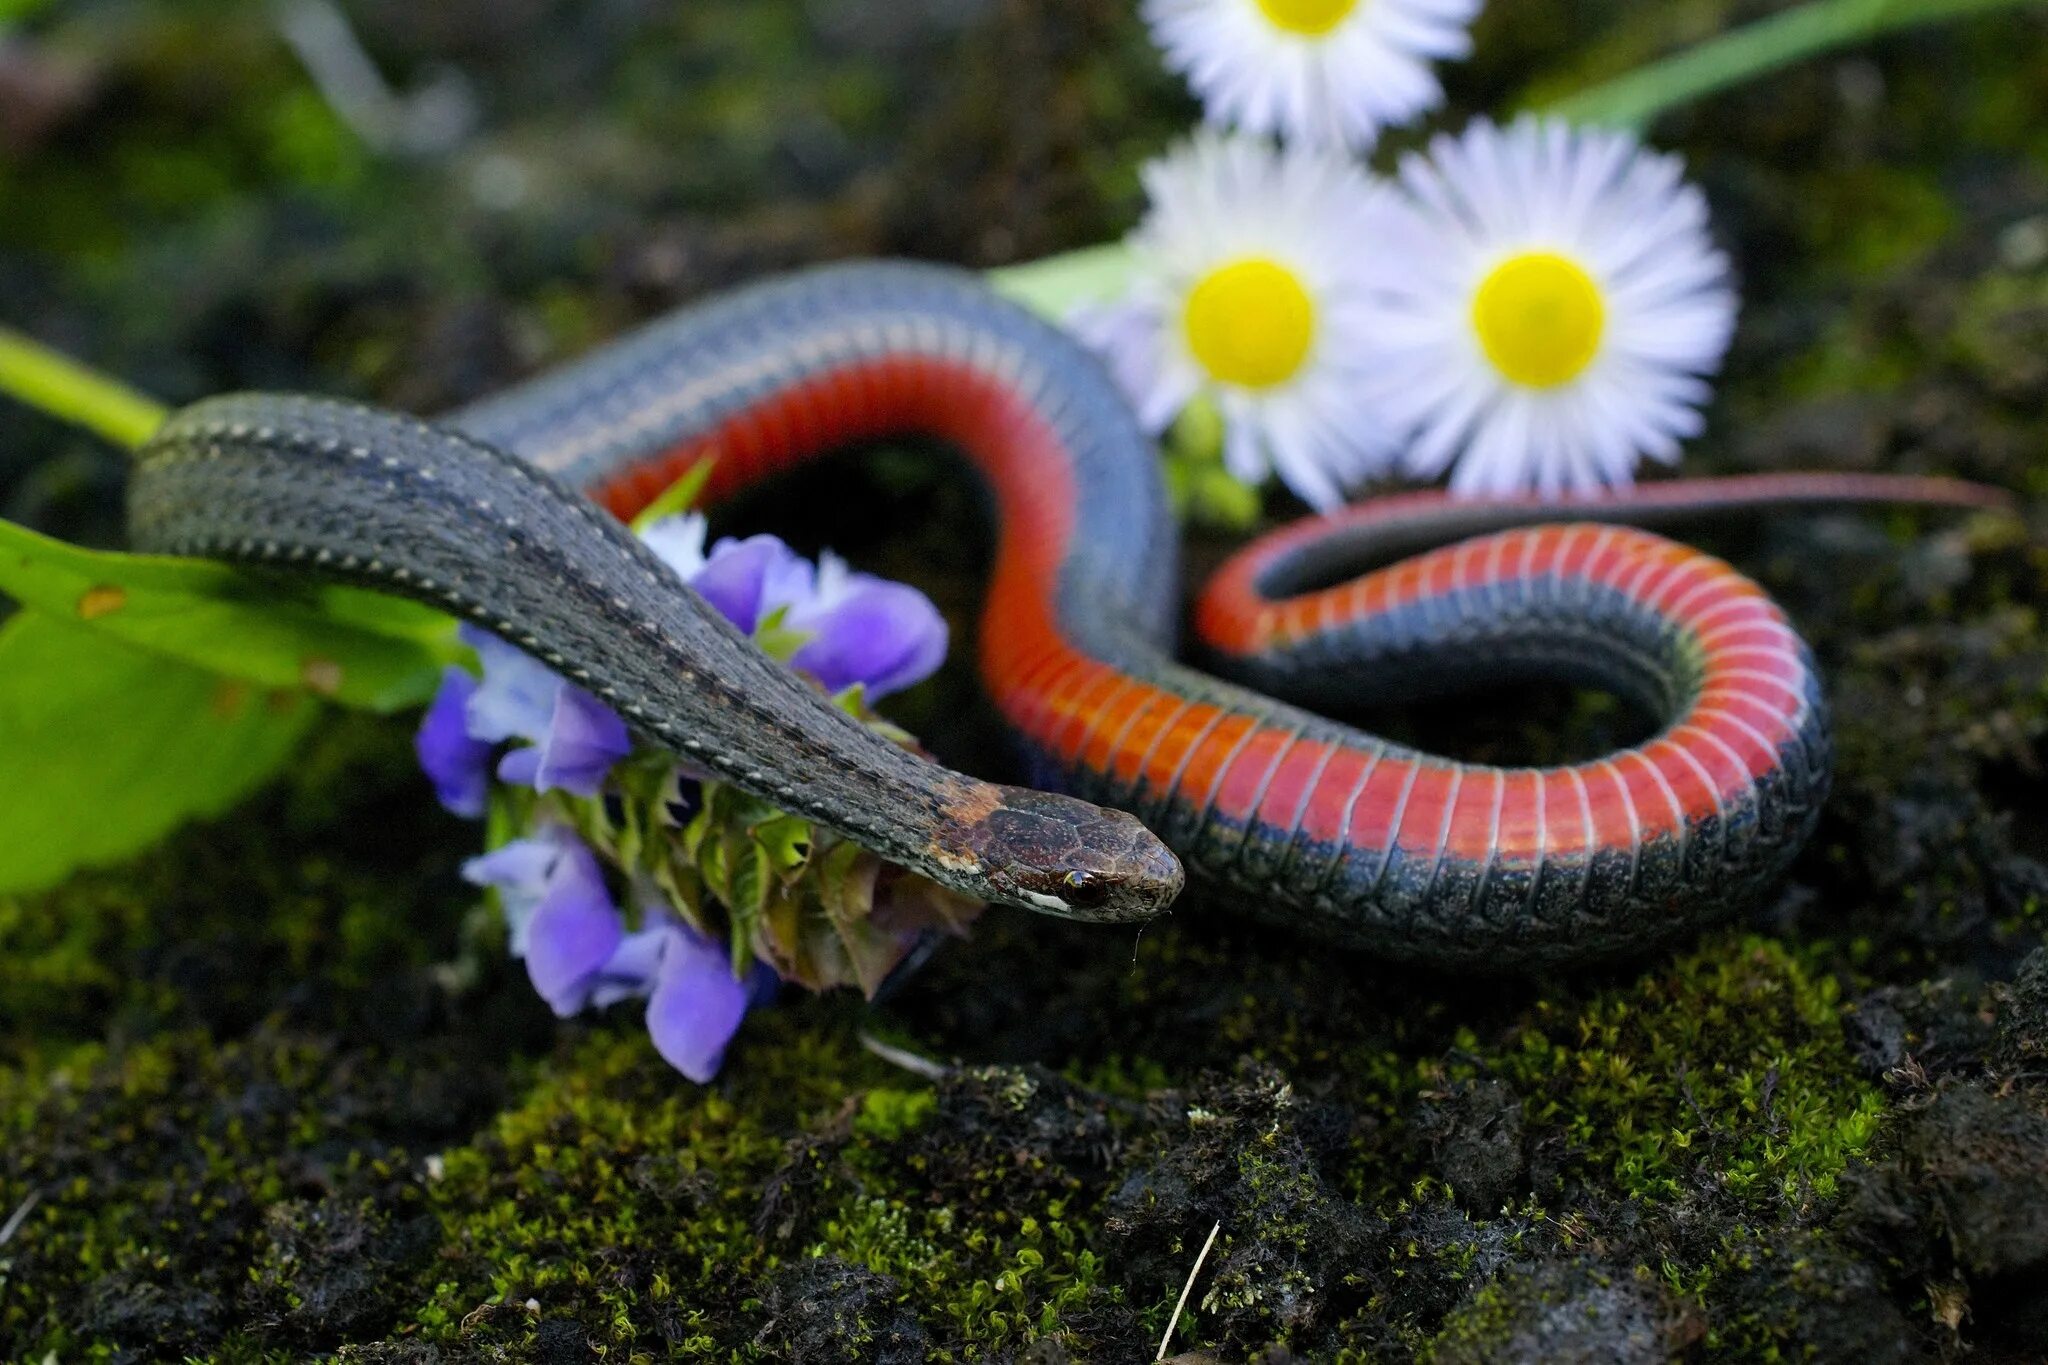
{"x":1856,"y":356}
{"x":656,"y":1213}
{"x":2000,"y":328}
{"x":886,"y":1115}
{"x":1789,"y":1293}
{"x":1560,"y":1310}
{"x":227,"y":920}
{"x":184,"y":1186}
{"x":1004,"y":1282}
{"x":1728,"y":1068}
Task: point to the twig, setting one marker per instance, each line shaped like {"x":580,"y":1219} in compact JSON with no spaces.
{"x":906,"y":1059}
{"x":430,"y":120}
{"x":19,"y":1216}
{"x":1185,"y":1290}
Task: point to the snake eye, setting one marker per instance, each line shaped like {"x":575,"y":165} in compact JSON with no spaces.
{"x":1084,"y":888}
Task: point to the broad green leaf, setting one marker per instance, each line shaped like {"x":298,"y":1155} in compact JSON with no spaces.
{"x":358,"y":648}
{"x":105,"y":748}
{"x":1057,"y":285}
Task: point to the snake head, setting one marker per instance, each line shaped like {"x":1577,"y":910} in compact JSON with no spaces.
{"x":1060,"y":856}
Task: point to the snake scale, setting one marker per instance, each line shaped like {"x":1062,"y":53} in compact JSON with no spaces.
{"x":510,"y":513}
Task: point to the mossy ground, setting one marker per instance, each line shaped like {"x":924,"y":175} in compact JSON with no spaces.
{"x":270,"y":1091}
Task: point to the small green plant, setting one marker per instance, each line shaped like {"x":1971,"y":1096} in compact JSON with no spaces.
{"x":1729,"y":1067}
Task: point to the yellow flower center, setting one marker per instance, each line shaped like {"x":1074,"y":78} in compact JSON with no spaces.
{"x":1250,"y":323}
{"x":1539,"y":317}
{"x":1311,"y":17}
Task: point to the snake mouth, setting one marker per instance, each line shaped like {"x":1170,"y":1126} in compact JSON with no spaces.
{"x":1060,"y":856}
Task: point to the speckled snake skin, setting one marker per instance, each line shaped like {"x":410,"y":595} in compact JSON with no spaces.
{"x":1325,"y":827}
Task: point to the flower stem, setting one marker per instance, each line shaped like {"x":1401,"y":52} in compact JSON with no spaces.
{"x":60,"y":386}
{"x":1635,"y":98}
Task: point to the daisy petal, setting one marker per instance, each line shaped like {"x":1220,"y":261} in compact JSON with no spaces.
{"x":1329,"y":73}
{"x":1249,"y":287}
{"x":1548,"y":309}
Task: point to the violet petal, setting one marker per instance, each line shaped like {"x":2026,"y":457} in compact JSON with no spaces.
{"x":635,"y":965}
{"x":585,"y":738}
{"x":737,"y":575}
{"x":520,"y":767}
{"x":521,"y":872}
{"x":886,"y":635}
{"x":696,"y":1007}
{"x":458,"y":764}
{"x":575,"y":931}
{"x":516,"y":699}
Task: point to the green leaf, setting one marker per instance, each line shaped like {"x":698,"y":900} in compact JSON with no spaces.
{"x":716,"y":867}
{"x":676,"y":499}
{"x":753,"y":882}
{"x":358,"y":648}
{"x":1057,"y":285}
{"x":787,"y":839}
{"x":105,"y":748}
{"x":776,"y":639}
{"x":1214,"y":498}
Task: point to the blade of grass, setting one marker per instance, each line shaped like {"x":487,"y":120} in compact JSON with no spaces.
{"x":1635,"y":98}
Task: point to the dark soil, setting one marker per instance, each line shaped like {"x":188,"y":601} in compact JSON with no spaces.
{"x":272,"y":1092}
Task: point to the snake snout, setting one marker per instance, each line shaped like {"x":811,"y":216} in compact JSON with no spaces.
{"x":1065,"y":857}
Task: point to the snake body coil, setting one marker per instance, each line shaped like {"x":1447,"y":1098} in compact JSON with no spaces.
{"x":1341,"y":833}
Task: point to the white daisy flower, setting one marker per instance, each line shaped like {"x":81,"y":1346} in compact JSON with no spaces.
{"x":1247,"y":287}
{"x":1332,"y":72}
{"x":1548,"y":303}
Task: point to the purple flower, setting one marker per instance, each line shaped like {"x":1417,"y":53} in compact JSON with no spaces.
{"x":524,"y":871}
{"x":578,"y":954}
{"x":575,"y":737}
{"x":868,"y":630}
{"x":458,"y":763}
{"x":630,"y":972}
{"x":517,"y":697}
{"x":696,"y":1006}
{"x":562,"y":919}
{"x":863,"y":629}
{"x":747,"y":579}
{"x":694,"y":1002}
{"x":583,"y":740}
{"x":575,"y":931}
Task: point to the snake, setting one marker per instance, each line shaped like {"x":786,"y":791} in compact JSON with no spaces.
{"x":512,"y":513}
